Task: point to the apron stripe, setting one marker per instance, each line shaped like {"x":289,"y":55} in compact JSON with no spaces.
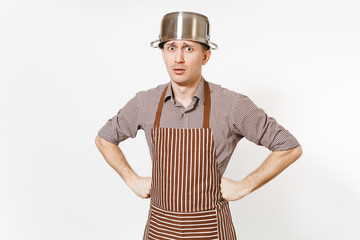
{"x":202,"y":174}
{"x":177,"y":170}
{"x":168,"y":186}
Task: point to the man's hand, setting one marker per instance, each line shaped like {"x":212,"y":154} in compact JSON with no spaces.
{"x":231,"y":190}
{"x":140,"y":185}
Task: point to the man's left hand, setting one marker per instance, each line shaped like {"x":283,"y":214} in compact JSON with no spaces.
{"x":231,"y":190}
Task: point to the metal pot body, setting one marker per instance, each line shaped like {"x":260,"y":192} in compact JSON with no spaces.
{"x":185,"y":26}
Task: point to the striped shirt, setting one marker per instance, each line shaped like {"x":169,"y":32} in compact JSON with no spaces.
{"x":233,"y":116}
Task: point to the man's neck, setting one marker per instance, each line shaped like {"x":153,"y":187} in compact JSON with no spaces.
{"x":184,"y":93}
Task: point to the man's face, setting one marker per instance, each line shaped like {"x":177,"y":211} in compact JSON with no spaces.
{"x":184,"y":60}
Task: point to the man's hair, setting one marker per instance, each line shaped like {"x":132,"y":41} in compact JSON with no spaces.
{"x":204,"y":47}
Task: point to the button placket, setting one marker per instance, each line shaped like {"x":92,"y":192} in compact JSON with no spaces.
{"x":186,"y":120}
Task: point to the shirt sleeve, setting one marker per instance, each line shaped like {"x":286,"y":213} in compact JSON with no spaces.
{"x":255,"y":125}
{"x":124,"y":124}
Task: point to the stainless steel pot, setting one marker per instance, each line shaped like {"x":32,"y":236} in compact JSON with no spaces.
{"x":185,"y":26}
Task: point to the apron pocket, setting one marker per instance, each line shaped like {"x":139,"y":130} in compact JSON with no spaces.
{"x":182,"y":225}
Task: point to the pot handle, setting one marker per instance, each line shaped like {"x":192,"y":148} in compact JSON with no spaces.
{"x":152,"y":44}
{"x":213,"y":46}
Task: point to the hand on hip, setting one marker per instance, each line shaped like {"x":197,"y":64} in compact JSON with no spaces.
{"x":141,"y":186}
{"x":230,"y":189}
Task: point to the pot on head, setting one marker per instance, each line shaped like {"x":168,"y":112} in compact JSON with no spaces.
{"x":185,"y":26}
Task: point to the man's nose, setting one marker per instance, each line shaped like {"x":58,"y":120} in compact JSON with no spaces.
{"x":179,"y":58}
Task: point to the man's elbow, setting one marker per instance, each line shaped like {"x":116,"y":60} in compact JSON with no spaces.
{"x":101,"y":143}
{"x":291,"y":155}
{"x":98,"y":141}
{"x":296,"y":152}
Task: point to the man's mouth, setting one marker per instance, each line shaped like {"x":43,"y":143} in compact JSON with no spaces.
{"x":179,"y":71}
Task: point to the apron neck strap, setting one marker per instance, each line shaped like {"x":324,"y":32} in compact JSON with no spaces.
{"x":207,"y":106}
{"x":159,"y":109}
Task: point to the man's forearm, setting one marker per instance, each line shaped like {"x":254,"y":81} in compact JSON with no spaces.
{"x":115,"y":158}
{"x":273,"y":165}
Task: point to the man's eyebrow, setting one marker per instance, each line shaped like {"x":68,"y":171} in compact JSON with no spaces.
{"x":188,"y":44}
{"x":170,"y":43}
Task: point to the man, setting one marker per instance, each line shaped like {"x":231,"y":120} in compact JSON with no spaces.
{"x":192,"y":128}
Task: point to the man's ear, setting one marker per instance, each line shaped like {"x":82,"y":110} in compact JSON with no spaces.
{"x":207,"y":55}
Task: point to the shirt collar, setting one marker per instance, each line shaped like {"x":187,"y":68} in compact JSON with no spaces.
{"x":199,"y":94}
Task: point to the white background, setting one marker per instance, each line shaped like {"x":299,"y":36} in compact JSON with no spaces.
{"x":68,"y":66}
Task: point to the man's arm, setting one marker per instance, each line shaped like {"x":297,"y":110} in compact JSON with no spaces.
{"x":116,"y":159}
{"x":274,"y":164}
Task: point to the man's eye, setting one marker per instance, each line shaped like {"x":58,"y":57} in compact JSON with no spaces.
{"x":171,"y":48}
{"x":188,"y":49}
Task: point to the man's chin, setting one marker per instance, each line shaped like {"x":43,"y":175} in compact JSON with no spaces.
{"x":179,"y":80}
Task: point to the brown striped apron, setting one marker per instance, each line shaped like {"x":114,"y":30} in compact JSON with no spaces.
{"x":186,"y":202}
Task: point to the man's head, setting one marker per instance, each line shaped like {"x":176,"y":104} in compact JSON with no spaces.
{"x":185,"y":43}
{"x":184,"y":60}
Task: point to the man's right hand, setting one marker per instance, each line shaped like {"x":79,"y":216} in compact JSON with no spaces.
{"x":141,"y":186}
